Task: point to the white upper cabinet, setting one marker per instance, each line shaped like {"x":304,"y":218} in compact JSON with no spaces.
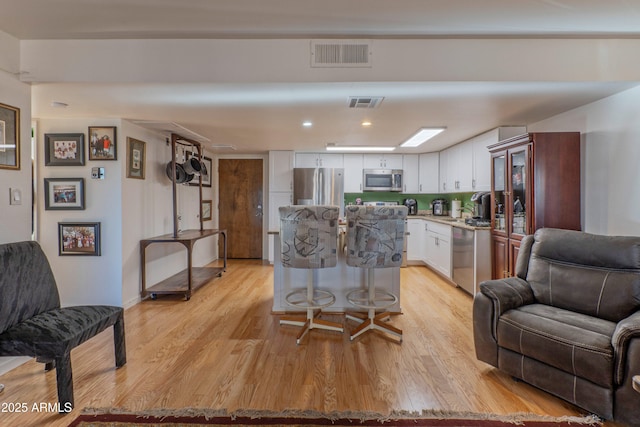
{"x":383,"y":161}
{"x":482,"y":160}
{"x":410,"y":173}
{"x":429,"y":173}
{"x":466,"y":167}
{"x":353,"y":173}
{"x":280,"y":170}
{"x":319,"y":160}
{"x":443,"y":168}
{"x":461,"y":167}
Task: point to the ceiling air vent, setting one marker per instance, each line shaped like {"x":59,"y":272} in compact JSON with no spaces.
{"x":340,"y":53}
{"x":365,"y":101}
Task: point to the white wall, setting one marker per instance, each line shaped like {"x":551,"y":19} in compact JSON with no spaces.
{"x":128,"y":209}
{"x":15,"y":225}
{"x":16,"y":219}
{"x":84,"y":279}
{"x":610,"y":156}
{"x":148,"y":212}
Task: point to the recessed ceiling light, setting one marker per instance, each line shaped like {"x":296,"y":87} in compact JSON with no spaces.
{"x":421,"y":136}
{"x":307,"y":124}
{"x":331,"y":147}
{"x":366,"y":123}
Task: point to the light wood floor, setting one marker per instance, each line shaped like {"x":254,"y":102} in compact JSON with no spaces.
{"x":224,"y":349}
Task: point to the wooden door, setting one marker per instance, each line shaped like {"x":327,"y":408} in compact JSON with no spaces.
{"x":241,"y":206}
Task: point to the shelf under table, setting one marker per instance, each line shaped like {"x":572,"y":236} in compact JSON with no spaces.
{"x":190,"y":279}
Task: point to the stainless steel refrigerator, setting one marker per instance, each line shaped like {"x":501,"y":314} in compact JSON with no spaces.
{"x":319,"y":186}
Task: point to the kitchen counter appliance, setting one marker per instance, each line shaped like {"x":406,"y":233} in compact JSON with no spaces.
{"x":439,"y":207}
{"x":382,"y":179}
{"x":481,"y":209}
{"x":412,"y":206}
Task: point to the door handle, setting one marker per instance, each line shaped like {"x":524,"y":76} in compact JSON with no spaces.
{"x":259,"y":210}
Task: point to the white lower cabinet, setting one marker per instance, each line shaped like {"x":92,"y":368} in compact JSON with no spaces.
{"x":415,"y":241}
{"x":429,"y":243}
{"x":439,"y":247}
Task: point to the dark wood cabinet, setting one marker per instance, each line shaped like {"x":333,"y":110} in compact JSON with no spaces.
{"x":535,"y":183}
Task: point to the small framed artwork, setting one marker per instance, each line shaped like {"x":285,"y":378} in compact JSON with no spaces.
{"x":64,"y":193}
{"x":9,"y":137}
{"x":206,"y":210}
{"x":64,"y":149}
{"x":102,"y":143}
{"x":79,"y":238}
{"x":205,"y":173}
{"x":135,"y":158}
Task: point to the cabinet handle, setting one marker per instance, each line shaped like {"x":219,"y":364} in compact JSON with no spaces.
{"x":473,"y":183}
{"x":420,"y":187}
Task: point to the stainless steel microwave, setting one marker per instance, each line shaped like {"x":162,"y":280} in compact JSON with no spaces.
{"x":382,"y":179}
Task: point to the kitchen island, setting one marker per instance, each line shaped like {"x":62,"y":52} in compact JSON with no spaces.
{"x":339,"y":280}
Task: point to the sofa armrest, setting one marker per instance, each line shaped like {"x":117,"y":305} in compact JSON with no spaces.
{"x":626,"y":329}
{"x":495,"y":297}
{"x":507,"y":294}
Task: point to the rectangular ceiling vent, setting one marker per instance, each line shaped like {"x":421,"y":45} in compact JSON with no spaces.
{"x":365,"y":101}
{"x":341,"y":53}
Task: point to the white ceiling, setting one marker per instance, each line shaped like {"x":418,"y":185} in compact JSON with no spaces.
{"x":255,"y":117}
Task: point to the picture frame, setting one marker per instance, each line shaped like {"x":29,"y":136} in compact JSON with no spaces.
{"x":9,"y":137}
{"x":64,"y":194}
{"x":64,"y":149}
{"x":207,"y":207}
{"x":207,"y":163}
{"x":102,"y":143}
{"x":135,"y":158}
{"x":79,"y":238}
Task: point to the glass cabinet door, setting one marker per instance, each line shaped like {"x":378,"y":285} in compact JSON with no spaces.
{"x":499,"y":191}
{"x":518,"y":180}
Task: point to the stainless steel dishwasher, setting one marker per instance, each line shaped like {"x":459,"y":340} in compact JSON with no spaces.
{"x":462,"y":258}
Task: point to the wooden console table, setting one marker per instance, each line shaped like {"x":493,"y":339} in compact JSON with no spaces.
{"x":190,"y":279}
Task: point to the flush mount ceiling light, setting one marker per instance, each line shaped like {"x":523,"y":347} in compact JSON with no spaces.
{"x":367,"y":148}
{"x":421,"y":136}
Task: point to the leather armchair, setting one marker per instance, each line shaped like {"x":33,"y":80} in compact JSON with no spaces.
{"x":569,"y":322}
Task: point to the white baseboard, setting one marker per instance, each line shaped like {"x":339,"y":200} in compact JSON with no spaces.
{"x":9,"y":363}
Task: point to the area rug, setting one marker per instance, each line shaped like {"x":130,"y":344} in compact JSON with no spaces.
{"x":193,"y":417}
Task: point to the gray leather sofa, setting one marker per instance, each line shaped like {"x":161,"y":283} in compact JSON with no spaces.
{"x":569,"y":322}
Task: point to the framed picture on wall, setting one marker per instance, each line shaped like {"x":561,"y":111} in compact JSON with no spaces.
{"x":207,"y":206}
{"x":135,"y":158}
{"x":64,"y":149}
{"x":64,"y":193}
{"x":9,"y":137}
{"x":102,"y":143}
{"x":79,"y":238}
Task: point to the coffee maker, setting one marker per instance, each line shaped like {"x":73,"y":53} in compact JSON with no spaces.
{"x":412,"y":206}
{"x":481,"y":206}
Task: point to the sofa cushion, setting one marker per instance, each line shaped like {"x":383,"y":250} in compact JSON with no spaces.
{"x":572,"y":342}
{"x":591,"y":274}
{"x":57,"y":331}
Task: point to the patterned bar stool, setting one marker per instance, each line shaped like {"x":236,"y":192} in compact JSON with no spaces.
{"x":309,"y":239}
{"x":375,"y":239}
